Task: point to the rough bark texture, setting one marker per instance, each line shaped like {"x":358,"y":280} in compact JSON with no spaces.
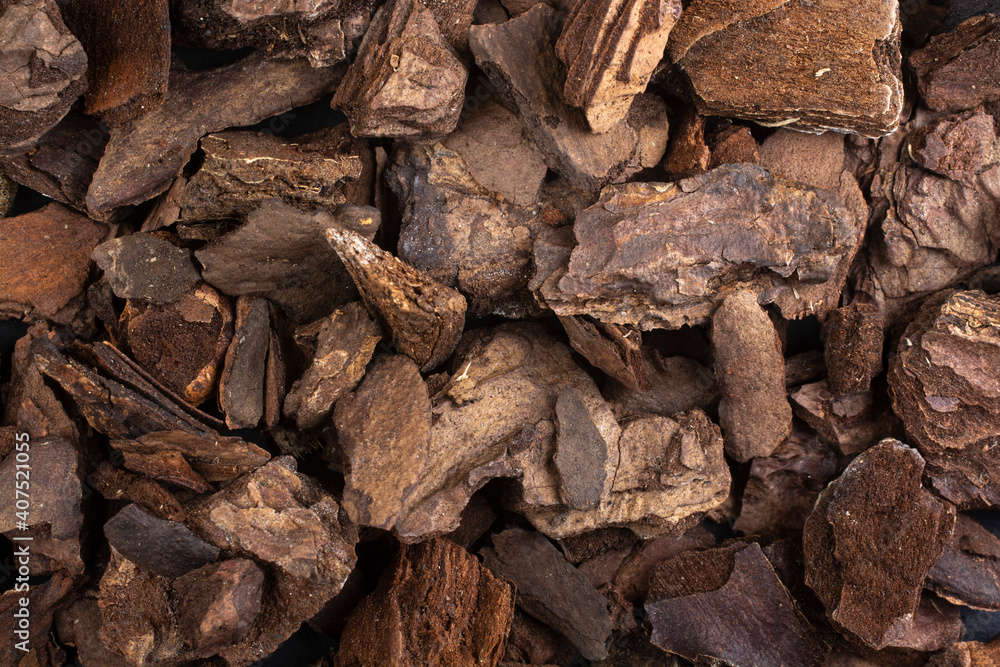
{"x":959,"y":70}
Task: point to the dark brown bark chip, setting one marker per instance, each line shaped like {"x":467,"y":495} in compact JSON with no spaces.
{"x":217,"y":604}
{"x":961,"y":69}
{"x":406,"y":81}
{"x":680,"y":247}
{"x":615,"y":349}
{"x":853,"y":337}
{"x":741,"y":615}
{"x":117,"y":484}
{"x":281,"y":253}
{"x":871,"y":540}
{"x":216,"y":459}
{"x":42,"y":71}
{"x":580,"y":453}
{"x":851,"y":423}
{"x":610,"y":50}
{"x":551,"y":590}
{"x":519,"y":57}
{"x":956,"y":146}
{"x":968,"y":572}
{"x":166,"y":548}
{"x":145,"y":155}
{"x":817,"y":67}
{"x":128,"y":53}
{"x":434,"y":605}
{"x":145,"y":266}
{"x":687,"y":153}
{"x":78,"y":624}
{"x":944,"y":390}
{"x":43,"y":600}
{"x":425,"y":318}
{"x":754,"y":413}
{"x":241,"y":384}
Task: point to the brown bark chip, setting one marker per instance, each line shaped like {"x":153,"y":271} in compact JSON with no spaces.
{"x":872,"y":538}
{"x":754,"y":414}
{"x":853,"y":337}
{"x":968,"y":572}
{"x":961,"y":69}
{"x":580,"y":453}
{"x":144,"y":266}
{"x":166,"y":548}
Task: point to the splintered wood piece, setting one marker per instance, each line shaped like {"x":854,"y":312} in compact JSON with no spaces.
{"x":787,"y":70}
{"x":42,"y":73}
{"x":657,"y":255}
{"x":241,"y":384}
{"x":166,"y":548}
{"x":117,"y":484}
{"x":434,"y":605}
{"x":182,"y":344}
{"x":145,"y":266}
{"x":580,"y":453}
{"x":46,"y":261}
{"x":345,"y":345}
{"x":944,"y":390}
{"x":146,"y":154}
{"x":754,"y":413}
{"x":733,"y":609}
{"x":167,"y":466}
{"x":870,"y":541}
{"x":406,"y":81}
{"x":280,"y":253}
{"x":959,"y":70}
{"x":425,"y":318}
{"x":551,"y":590}
{"x":615,"y":349}
{"x":217,"y":604}
{"x":853,"y":337}
{"x":968,"y":572}
{"x":244,"y":169}
{"x":215,"y":458}
{"x":128,"y":52}
{"x":519,"y":56}
{"x":610,"y":50}
{"x":676,"y":384}
{"x":459,"y":232}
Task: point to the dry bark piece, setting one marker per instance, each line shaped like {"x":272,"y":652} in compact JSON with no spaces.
{"x":958,"y":70}
{"x":78,"y":624}
{"x":54,"y":518}
{"x":145,"y":266}
{"x":43,"y":70}
{"x":215,"y":458}
{"x":683,"y":246}
{"x":280,"y":253}
{"x":117,"y":484}
{"x":182,"y":344}
{"x":461,"y":233}
{"x":853,"y":337}
{"x":345,"y":345}
{"x":217,"y":604}
{"x":46,"y":261}
{"x":956,"y":146}
{"x":406,"y":81}
{"x":241,"y":384}
{"x":242,"y":170}
{"x":733,"y":609}
{"x":580,"y":453}
{"x":435,"y":605}
{"x":610,"y":51}
{"x":425,"y":318}
{"x":632,"y":579}
{"x":498,"y":153}
{"x":551,"y":590}
{"x":615,"y":349}
{"x":783,"y":487}
{"x":754,"y":413}
{"x":851,"y":423}
{"x":166,"y":548}
{"x":145,"y":155}
{"x":43,"y":600}
{"x":968,"y":572}
{"x":290,"y":526}
{"x":128,"y":53}
{"x":687,"y":153}
{"x":731,"y":144}
{"x":786,"y":70}
{"x":947,"y":397}
{"x":874,"y":534}
{"x":677,"y":384}
{"x":519,"y":56}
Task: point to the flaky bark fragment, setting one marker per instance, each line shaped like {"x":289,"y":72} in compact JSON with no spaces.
{"x":610,"y":50}
{"x":145,"y":266}
{"x":42,"y":71}
{"x":968,"y":572}
{"x":244,"y":169}
{"x":165,"y":548}
{"x":754,"y":413}
{"x":551,"y":590}
{"x":580,"y":453}
{"x":425,"y":318}
{"x":406,"y":82}
{"x":30,"y":404}
{"x":615,"y":349}
{"x":957,"y":146}
{"x":959,"y":70}
{"x":435,"y":605}
{"x":280,"y":253}
{"x":45,"y":262}
{"x":145,"y":155}
{"x":117,"y":484}
{"x":873,"y":536}
{"x":851,"y":422}
{"x":666,"y":254}
{"x":519,"y":57}
{"x":832,"y":65}
{"x":244,"y":377}
{"x":945,"y":391}
{"x":733,"y":609}
{"x":217,"y":604}
{"x":214,"y":458}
